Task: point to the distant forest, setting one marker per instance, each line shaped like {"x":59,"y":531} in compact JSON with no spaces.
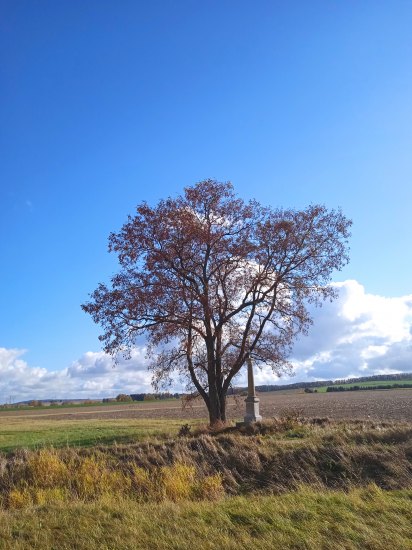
{"x":331,"y":383}
{"x":360,"y":388}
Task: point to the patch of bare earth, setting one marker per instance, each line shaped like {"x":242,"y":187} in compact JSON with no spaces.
{"x":376,"y":405}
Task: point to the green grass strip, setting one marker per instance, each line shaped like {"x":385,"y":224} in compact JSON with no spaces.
{"x":36,"y":433}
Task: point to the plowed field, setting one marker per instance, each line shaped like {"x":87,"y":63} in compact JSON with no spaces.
{"x":376,"y":405}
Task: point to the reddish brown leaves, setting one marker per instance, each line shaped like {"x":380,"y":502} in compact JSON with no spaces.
{"x":214,"y":279}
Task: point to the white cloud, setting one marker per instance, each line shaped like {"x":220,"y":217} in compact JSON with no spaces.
{"x":92,"y":375}
{"x":358,"y":334}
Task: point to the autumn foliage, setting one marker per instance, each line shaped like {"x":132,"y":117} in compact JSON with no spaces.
{"x":211,"y":279}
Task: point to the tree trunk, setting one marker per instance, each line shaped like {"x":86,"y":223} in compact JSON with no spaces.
{"x":217,"y":405}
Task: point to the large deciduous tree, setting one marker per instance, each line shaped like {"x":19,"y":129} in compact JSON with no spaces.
{"x":212,"y":280}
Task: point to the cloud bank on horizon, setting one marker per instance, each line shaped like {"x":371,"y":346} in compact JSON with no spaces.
{"x":359,"y":334}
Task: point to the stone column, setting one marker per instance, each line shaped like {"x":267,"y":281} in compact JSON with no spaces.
{"x":252,"y":402}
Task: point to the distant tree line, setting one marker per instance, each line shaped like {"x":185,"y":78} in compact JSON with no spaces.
{"x":321,"y":383}
{"x":362,"y":388}
{"x":123,"y":397}
{"x":295,"y":386}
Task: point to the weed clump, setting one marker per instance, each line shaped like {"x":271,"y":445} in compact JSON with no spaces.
{"x":142,"y":483}
{"x":209,"y":488}
{"x":46,"y":469}
{"x":184,"y":430}
{"x":94,"y":478}
{"x":177,"y":481}
{"x":19,"y":498}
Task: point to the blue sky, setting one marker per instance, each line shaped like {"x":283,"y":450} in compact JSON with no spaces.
{"x":105,"y":104}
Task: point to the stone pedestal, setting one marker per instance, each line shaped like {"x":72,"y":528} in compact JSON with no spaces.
{"x":252,"y":410}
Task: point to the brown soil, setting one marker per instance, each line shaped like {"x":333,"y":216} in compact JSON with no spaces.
{"x":374,"y":405}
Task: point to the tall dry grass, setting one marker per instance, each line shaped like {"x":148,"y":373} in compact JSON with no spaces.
{"x":272,"y":457}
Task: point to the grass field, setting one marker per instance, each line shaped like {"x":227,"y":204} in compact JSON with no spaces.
{"x":86,"y":404}
{"x":31,"y":433}
{"x":361,"y":519}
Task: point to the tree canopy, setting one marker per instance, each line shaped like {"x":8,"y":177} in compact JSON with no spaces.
{"x":211,"y":279}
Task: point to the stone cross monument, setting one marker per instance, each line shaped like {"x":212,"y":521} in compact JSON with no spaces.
{"x":252,"y":402}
